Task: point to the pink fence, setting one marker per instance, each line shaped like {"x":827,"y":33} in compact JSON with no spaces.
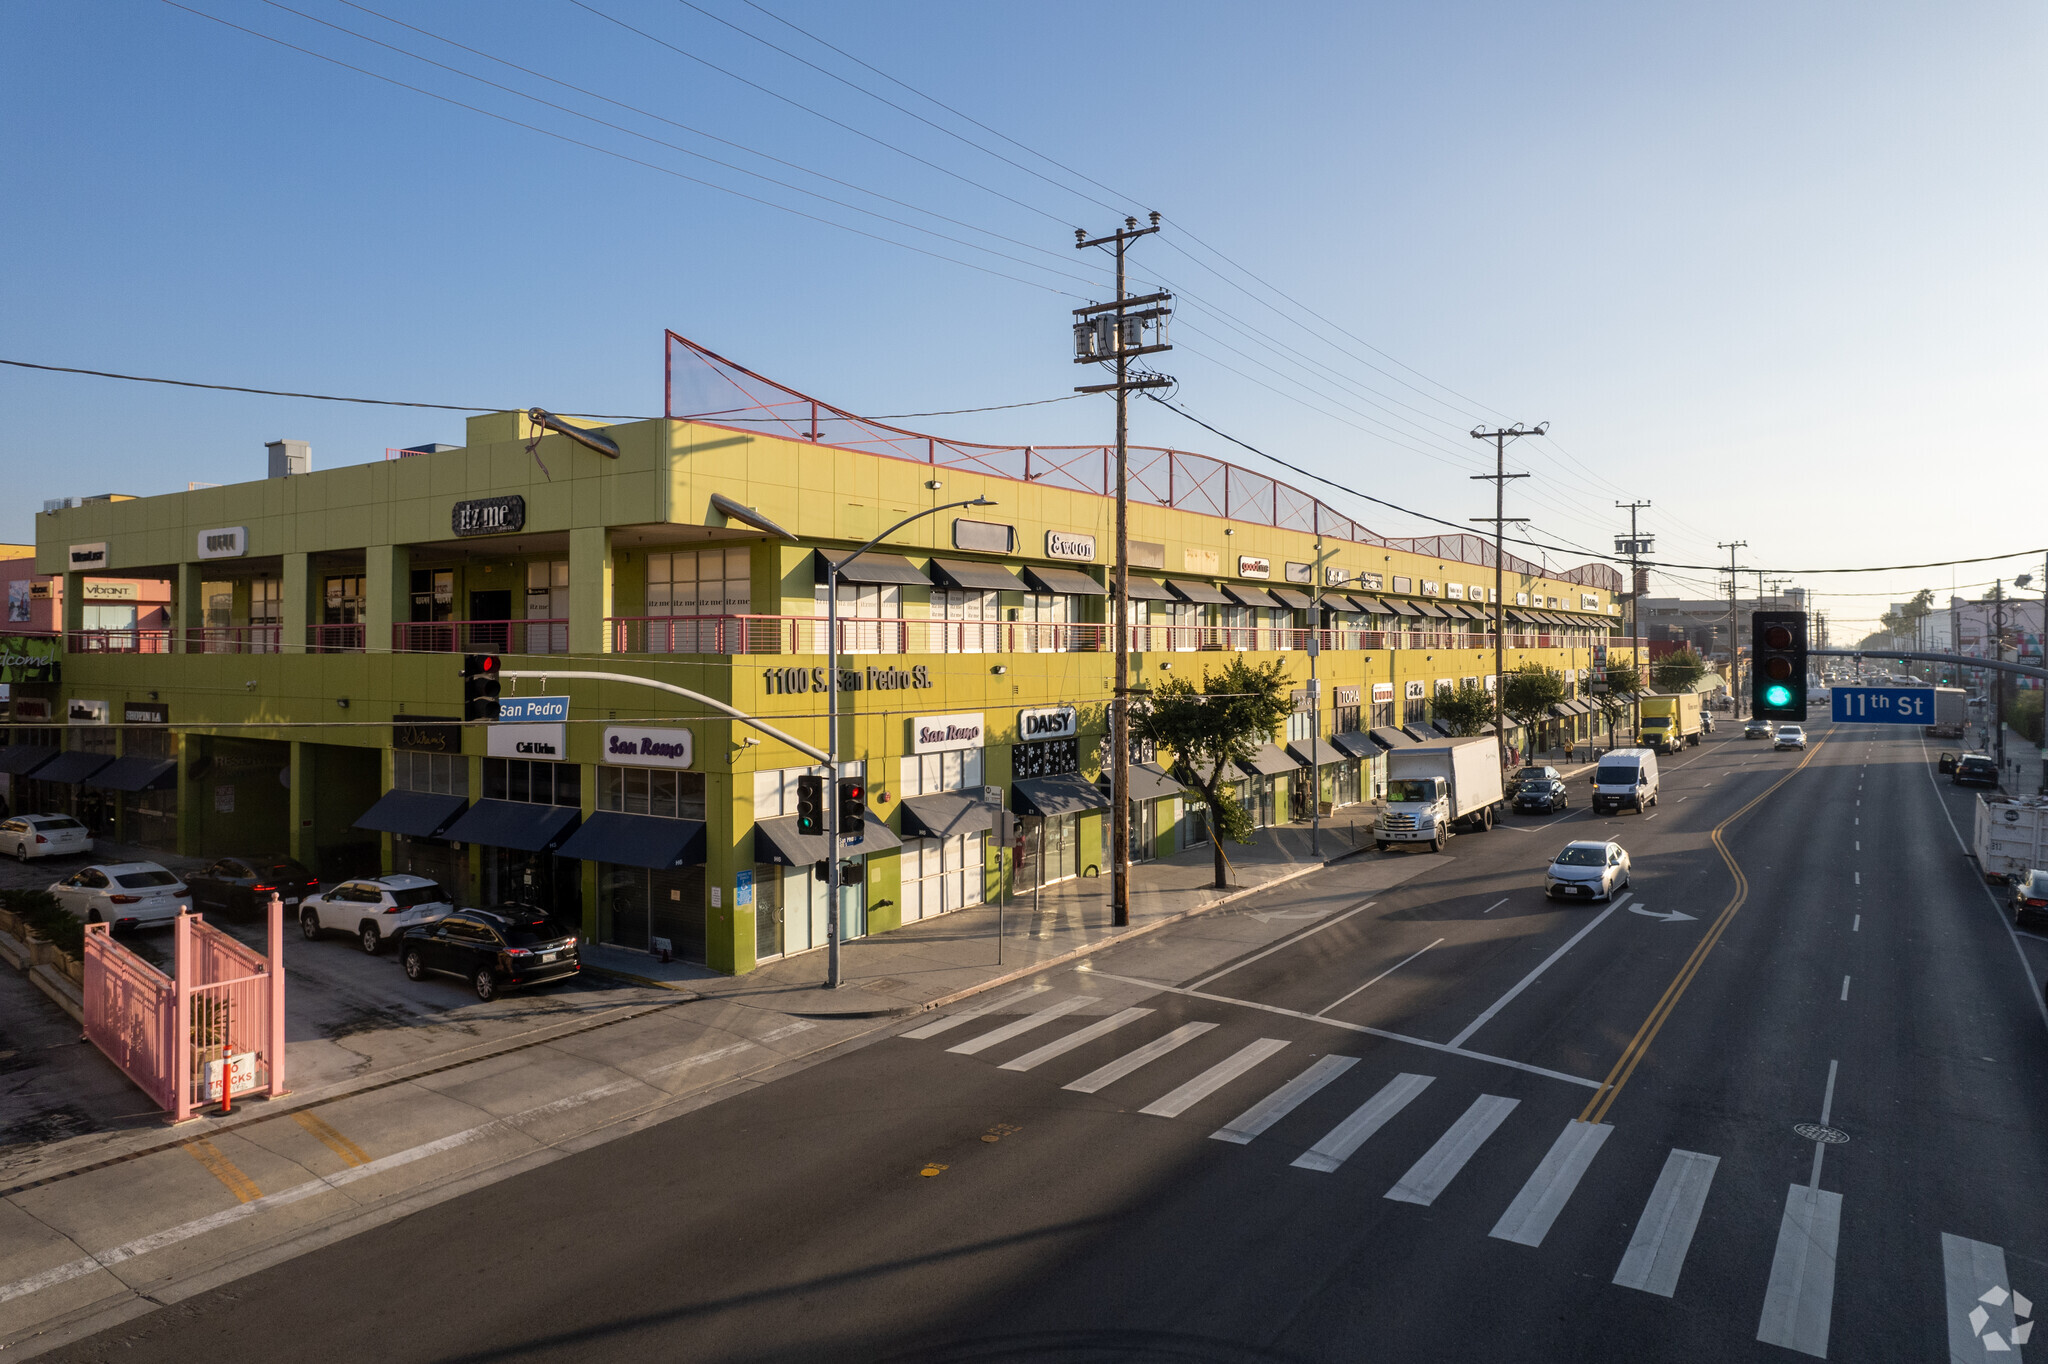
{"x":213,"y":1032}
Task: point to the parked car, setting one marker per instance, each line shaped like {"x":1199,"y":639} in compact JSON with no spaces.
{"x":29,"y":836}
{"x":1757,"y":729}
{"x":492,"y":949}
{"x":244,"y":885}
{"x":1789,"y":736}
{"x":2030,"y":895}
{"x":1706,"y":722}
{"x":1587,"y":870}
{"x":1974,"y":769}
{"x":1947,"y":763}
{"x":1540,"y":795}
{"x":124,"y":894}
{"x":374,"y":908}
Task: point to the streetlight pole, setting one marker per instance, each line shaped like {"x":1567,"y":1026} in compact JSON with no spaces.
{"x":832,"y":567}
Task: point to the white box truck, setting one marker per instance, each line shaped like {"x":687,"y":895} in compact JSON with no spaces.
{"x":1435,"y":790}
{"x":2011,"y":836}
{"x":1951,"y":713}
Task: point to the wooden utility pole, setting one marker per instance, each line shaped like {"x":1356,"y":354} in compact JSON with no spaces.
{"x":1734,"y":644}
{"x":1114,"y":332}
{"x":1499,"y":478}
{"x":1637,"y":547}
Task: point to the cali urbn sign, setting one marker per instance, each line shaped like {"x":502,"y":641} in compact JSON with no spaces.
{"x":488,"y":515}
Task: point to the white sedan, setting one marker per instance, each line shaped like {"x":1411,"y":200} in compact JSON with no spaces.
{"x":376,"y":909}
{"x":124,"y":894}
{"x":29,"y":836}
{"x":1587,"y":871}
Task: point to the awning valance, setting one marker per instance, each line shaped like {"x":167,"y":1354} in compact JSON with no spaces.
{"x":1293,"y":599}
{"x":21,"y":759}
{"x":1249,"y":596}
{"x":1149,"y":589}
{"x":970,"y":576}
{"x":416,"y":814}
{"x":1269,"y":761}
{"x":516,"y":824}
{"x":1355,"y":744}
{"x":1202,"y":593}
{"x":1316,"y":752}
{"x":777,"y":841}
{"x":637,"y":841}
{"x":873,"y":567}
{"x":1065,"y":794}
{"x":136,"y":773}
{"x":1063,"y":582}
{"x":73,"y":767}
{"x":944,"y":814}
{"x":1145,"y":781}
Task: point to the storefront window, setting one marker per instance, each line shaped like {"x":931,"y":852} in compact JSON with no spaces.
{"x":966,"y":622}
{"x":547,"y":598}
{"x":641,"y":909}
{"x":870,"y":618}
{"x":440,"y":774}
{"x":651,"y":791}
{"x":537,"y":783}
{"x":924,"y":774}
{"x":942,"y":874}
{"x":1044,"y":619}
{"x":694,"y":598}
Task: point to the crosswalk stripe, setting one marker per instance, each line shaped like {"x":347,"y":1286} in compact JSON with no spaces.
{"x":1656,"y":1252}
{"x":1104,"y":1076}
{"x":1100,"y":1028}
{"x":1799,"y":1302}
{"x":1213,"y":1079}
{"x":1283,"y":1100}
{"x":997,"y":1036}
{"x":1350,"y":1134}
{"x":951,"y":1021}
{"x":1527,"y":1220}
{"x":1430,"y":1176}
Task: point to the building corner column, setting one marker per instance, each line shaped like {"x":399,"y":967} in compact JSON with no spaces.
{"x":387,"y":594}
{"x":188,"y":608}
{"x":590,"y":590}
{"x":296,"y":609}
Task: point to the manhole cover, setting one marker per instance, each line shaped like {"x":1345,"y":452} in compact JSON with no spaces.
{"x":1813,"y":1131}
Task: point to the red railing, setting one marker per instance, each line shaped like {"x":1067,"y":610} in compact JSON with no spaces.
{"x":334,"y":639}
{"x":235,"y":639}
{"x":135,"y":641}
{"x":532,"y":636}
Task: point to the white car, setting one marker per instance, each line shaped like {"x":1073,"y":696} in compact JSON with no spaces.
{"x":1587,"y":871}
{"x":29,"y":836}
{"x":124,"y":894}
{"x":1789,"y":736}
{"x":376,"y":909}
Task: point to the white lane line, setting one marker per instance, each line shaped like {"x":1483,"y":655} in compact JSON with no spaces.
{"x":1214,"y":1078}
{"x":968,"y":1015}
{"x":1970,"y":1271}
{"x":1859,"y":845}
{"x":1857,"y":927}
{"x":1683,"y":799}
{"x":1859,"y":818}
{"x":996,"y":1036}
{"x":1526,"y":981}
{"x":1845,"y":988}
{"x":1527,"y":1220}
{"x":1382,"y":975}
{"x":1799,"y":1301}
{"x":1104,"y":1076}
{"x":1656,"y":1253}
{"x":1488,"y":910}
{"x":1859,"y":878}
{"x":1283,"y":1100}
{"x":1369,"y":1031}
{"x":1651,"y":815}
{"x":1429,"y":1177}
{"x":1282,"y":944}
{"x":1347,"y":1136}
{"x":1100,"y":1028}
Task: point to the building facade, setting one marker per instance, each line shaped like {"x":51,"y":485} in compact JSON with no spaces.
{"x":303,"y":695}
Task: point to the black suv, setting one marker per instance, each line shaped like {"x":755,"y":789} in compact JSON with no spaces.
{"x":492,"y":949}
{"x":1540,"y":794}
{"x":1974,"y":769}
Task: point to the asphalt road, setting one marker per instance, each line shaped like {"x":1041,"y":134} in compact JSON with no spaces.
{"x":1456,"y":1123}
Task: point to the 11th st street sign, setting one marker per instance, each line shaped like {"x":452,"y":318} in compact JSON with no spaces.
{"x":1884,"y":705}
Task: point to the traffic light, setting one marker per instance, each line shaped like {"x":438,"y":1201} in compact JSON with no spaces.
{"x":853,"y":801}
{"x":480,"y":686}
{"x":1777,"y":684}
{"x":810,"y":803}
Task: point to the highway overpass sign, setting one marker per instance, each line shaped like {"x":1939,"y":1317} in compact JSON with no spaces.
{"x":1884,"y":705}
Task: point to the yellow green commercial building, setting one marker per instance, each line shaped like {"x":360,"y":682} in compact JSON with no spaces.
{"x":305,"y":695}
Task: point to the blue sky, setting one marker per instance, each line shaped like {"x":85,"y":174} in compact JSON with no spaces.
{"x":1775,"y":268}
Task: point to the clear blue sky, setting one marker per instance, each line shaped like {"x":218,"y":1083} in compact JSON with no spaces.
{"x":1776,"y":268}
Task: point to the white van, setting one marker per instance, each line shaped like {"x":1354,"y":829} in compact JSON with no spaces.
{"x":1625,"y":779}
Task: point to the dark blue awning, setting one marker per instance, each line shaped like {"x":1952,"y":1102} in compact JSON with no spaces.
{"x":416,"y":814}
{"x":514,"y":824}
{"x":21,"y":759}
{"x":637,"y":841}
{"x":136,"y":773}
{"x":72,"y":767}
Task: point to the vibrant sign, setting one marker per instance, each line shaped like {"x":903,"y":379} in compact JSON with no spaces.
{"x":488,"y":515}
{"x":98,"y":589}
{"x":548,"y":743}
{"x":528,"y":709}
{"x":629,"y":747}
{"x":946,"y":733}
{"x":1883,"y":705}
{"x":1061,"y":544}
{"x":1048,"y":722}
{"x":228,"y":542}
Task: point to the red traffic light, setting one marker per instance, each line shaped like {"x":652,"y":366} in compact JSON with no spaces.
{"x":1777,"y":637}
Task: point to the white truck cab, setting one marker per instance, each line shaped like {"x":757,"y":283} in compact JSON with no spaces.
{"x":1625,"y":779}
{"x":1436,"y":790}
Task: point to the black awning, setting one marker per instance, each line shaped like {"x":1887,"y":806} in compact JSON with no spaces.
{"x":1148,"y":589}
{"x":1293,"y":600}
{"x":1063,"y":582}
{"x":1562,"y":710}
{"x":516,"y":824}
{"x":1356,"y":745}
{"x":1269,"y":761}
{"x":944,"y":814}
{"x":1401,"y":608}
{"x":1145,"y":781}
{"x":136,"y":773}
{"x":975,"y":577}
{"x":1372,"y":606}
{"x":1315,"y":753}
{"x":1429,"y":610}
{"x":876,"y":568}
{"x":72,"y":767}
{"x":1066,"y":794}
{"x":1387,"y":737}
{"x":416,"y":814}
{"x":21,"y":759}
{"x":1249,"y":596}
{"x":777,"y":841}
{"x":637,"y":841}
{"x":1520,"y":617}
{"x":1421,"y":735}
{"x":1202,"y":593}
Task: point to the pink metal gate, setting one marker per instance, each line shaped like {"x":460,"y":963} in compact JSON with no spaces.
{"x":180,"y":1039}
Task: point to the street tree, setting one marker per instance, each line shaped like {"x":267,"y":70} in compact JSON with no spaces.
{"x":1527,"y":695}
{"x":1624,"y":682}
{"x":1213,"y":728}
{"x":1468,"y":710}
{"x":1678,"y":671}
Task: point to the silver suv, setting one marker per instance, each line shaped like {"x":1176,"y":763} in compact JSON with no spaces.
{"x":1789,"y":736}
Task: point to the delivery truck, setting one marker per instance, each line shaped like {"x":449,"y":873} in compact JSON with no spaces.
{"x":1435,"y":790}
{"x":2011,"y":836}
{"x":1951,"y":713}
{"x":1671,"y":720}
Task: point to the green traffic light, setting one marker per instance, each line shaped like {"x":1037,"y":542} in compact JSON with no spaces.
{"x":1777,"y":694}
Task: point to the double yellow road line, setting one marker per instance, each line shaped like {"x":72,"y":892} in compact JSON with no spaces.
{"x":1632,"y":1055}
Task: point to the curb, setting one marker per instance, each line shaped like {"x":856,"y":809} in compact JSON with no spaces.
{"x":59,"y":988}
{"x":610,"y":973}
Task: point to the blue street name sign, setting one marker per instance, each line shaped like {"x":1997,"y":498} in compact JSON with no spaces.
{"x":527,"y":709}
{"x":1884,"y":705}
